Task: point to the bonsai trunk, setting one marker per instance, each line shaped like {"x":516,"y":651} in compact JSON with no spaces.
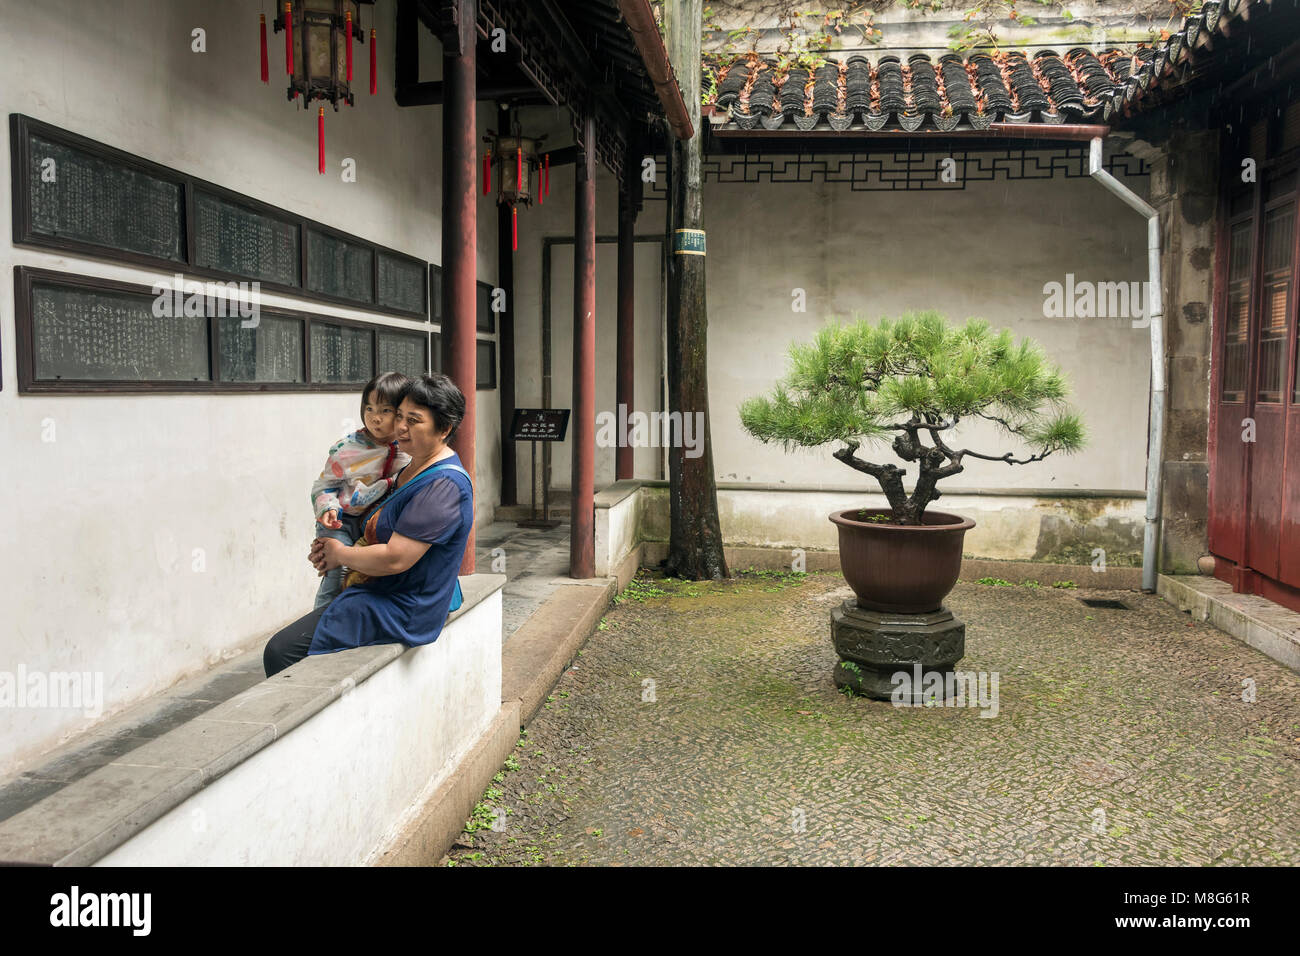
{"x":935,"y":464}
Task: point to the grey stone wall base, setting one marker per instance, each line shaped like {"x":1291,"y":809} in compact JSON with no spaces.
{"x":972,"y":569}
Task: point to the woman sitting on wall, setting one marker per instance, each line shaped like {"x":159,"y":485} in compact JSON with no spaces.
{"x":403,"y":578}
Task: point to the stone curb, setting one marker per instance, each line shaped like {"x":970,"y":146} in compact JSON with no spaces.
{"x":532,"y":662}
{"x":536,"y":655}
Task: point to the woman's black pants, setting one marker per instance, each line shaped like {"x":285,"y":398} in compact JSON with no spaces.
{"x":290,"y":644}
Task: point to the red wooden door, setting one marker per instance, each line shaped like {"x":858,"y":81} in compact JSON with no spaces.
{"x":1255,"y":450}
{"x":1228,"y":453}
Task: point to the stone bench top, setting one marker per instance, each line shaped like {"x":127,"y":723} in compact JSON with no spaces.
{"x":618,"y":491}
{"x":95,"y":793}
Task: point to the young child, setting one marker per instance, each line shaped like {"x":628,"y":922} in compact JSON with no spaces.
{"x":361,"y":469}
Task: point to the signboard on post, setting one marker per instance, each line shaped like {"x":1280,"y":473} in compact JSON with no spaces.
{"x":539,"y":424}
{"x":534,"y":425}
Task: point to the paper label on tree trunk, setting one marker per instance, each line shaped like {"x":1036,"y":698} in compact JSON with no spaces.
{"x":688,"y":242}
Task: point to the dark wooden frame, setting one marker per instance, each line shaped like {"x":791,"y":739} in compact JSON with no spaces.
{"x":235,"y":199}
{"x":491,"y":327}
{"x":435,"y":293}
{"x":423,"y":334}
{"x":28,"y":384}
{"x":20,"y":129}
{"x":491,"y":383}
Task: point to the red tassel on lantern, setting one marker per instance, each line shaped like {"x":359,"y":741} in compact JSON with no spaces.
{"x":266,"y":67}
{"x":320,"y":138}
{"x":487,"y":173}
{"x":288,"y":38}
{"x":374,"y":73}
{"x":547,"y":190}
{"x":539,"y":184}
{"x":347,"y":33}
{"x":514,"y":228}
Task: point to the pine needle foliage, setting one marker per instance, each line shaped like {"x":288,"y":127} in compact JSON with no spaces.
{"x":909,"y":380}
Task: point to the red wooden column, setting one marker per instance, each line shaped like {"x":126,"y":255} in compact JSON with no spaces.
{"x":626,"y":325}
{"x":582,"y":481}
{"x":506,"y":337}
{"x":460,"y":231}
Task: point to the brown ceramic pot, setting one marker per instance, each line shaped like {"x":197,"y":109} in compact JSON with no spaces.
{"x":908,"y":569}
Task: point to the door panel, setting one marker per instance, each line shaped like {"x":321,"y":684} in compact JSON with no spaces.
{"x":1228,"y":498}
{"x":1263,"y":537}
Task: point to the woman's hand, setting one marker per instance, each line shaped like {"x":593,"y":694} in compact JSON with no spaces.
{"x":326,"y":554}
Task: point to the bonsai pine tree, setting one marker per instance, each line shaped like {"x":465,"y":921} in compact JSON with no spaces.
{"x":916,"y":379}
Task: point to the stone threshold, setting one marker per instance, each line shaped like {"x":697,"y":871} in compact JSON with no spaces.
{"x":1269,"y":628}
{"x":92,"y":795}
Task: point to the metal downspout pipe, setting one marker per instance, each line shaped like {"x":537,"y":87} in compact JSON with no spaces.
{"x":1155,"y":317}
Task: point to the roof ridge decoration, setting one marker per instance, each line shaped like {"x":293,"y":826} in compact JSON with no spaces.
{"x":911,"y":91}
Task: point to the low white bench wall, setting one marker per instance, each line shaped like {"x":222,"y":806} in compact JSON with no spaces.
{"x":322,"y":764}
{"x":336,"y":788}
{"x":618,"y":524}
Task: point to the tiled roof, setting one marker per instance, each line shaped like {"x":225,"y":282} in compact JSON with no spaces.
{"x":951,"y":92}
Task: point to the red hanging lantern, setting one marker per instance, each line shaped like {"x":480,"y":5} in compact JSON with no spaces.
{"x":318,"y":38}
{"x":514,"y":180}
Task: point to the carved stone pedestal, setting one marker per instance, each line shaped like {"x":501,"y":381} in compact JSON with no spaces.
{"x":874,"y":645}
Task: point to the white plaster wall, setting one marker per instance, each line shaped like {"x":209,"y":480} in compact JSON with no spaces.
{"x":327,"y":793}
{"x":984,"y":251}
{"x":104,"y":521}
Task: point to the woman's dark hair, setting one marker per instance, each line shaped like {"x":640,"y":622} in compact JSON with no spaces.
{"x":441,"y":397}
{"x":389,"y":387}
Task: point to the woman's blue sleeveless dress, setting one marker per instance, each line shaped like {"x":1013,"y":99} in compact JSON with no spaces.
{"x":410,"y":607}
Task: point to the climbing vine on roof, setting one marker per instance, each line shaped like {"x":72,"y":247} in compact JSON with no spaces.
{"x":808,"y":33}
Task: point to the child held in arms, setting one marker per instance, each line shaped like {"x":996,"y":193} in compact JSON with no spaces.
{"x":360,"y":471}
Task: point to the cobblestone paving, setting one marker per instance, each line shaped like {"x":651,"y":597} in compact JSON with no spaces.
{"x":1121,"y":738}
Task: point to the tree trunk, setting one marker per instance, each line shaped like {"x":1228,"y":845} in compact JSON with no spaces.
{"x":695,"y":536}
